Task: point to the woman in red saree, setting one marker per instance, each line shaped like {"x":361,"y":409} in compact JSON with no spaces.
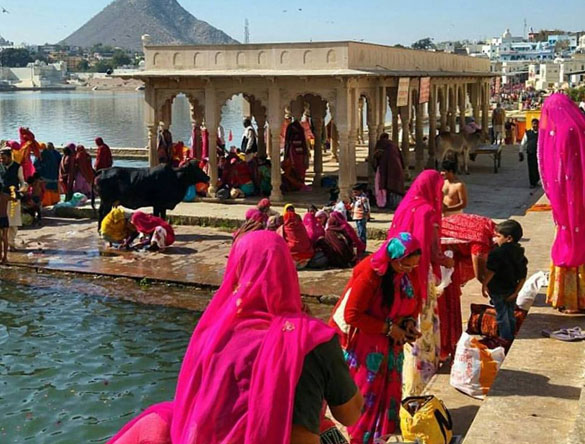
{"x":389,"y":168}
{"x":375,"y":317}
{"x":296,"y":157}
{"x":85,"y":174}
{"x":420,"y":213}
{"x":470,"y":238}
{"x":158,"y":233}
{"x":294,"y":233}
{"x":339,"y":248}
{"x":239,"y":377}
{"x":67,"y":171}
{"x":103,"y":157}
{"x":315,"y":229}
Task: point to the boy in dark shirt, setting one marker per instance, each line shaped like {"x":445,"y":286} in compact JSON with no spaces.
{"x":507,"y":268}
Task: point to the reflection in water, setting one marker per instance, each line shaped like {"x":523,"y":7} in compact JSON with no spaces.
{"x":74,"y":368}
{"x":81,"y":116}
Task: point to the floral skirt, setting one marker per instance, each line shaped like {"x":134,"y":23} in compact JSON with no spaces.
{"x":566,"y":288}
{"x":421,"y":360}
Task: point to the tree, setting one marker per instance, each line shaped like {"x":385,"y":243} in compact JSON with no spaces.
{"x":103,"y":66}
{"x":120,"y":58}
{"x":426,"y":44}
{"x":561,"y":45}
{"x":83,"y":66}
{"x":15,"y":58}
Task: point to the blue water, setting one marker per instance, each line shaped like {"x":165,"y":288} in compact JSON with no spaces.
{"x":75,"y":367}
{"x":81,"y":116}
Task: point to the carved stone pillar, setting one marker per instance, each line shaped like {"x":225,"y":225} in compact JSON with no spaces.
{"x":453,"y":109}
{"x":275,"y":120}
{"x":211,"y":120}
{"x":485,"y":107}
{"x":443,"y":107}
{"x":344,"y":127}
{"x":150,"y":117}
{"x":420,"y":147}
{"x":395,"y":114}
{"x":405,"y":146}
{"x":432,"y":126}
{"x":475,"y":102}
{"x":462,"y":105}
{"x":360,"y":122}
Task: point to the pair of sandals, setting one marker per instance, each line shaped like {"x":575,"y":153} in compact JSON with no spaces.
{"x":565,"y":334}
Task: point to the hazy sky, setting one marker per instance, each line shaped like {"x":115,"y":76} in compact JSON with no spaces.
{"x":377,"y":21}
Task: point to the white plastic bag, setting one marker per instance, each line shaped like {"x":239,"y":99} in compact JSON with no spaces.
{"x":530,"y":289}
{"x":475,"y":366}
{"x":446,"y":274}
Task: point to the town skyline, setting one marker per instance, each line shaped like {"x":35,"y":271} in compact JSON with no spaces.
{"x":325,"y":21}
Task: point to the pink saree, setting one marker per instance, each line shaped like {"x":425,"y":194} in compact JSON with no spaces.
{"x":561,"y":158}
{"x":238,"y":378}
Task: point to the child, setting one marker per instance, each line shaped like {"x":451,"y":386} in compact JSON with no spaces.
{"x":360,"y":211}
{"x":32,"y":203}
{"x":454,"y":190}
{"x":4,"y":202}
{"x":507,"y":268}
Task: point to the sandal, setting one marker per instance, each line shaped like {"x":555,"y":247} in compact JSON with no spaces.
{"x":565,"y":334}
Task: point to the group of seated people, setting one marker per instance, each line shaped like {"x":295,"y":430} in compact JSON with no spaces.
{"x":322,"y":238}
{"x":241,"y":178}
{"x":140,"y":231}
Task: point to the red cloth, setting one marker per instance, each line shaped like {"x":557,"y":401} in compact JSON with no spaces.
{"x":146,"y":223}
{"x":83,"y":164}
{"x":314,"y":228}
{"x":389,"y":163}
{"x":294,"y":233}
{"x":67,"y":173}
{"x":103,"y":158}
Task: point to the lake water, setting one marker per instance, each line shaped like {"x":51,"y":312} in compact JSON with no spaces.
{"x":77,"y":366}
{"x":81,"y":116}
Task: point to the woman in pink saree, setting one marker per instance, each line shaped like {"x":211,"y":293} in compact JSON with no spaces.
{"x":238,"y":378}
{"x":561,"y":158}
{"x":420,"y":213}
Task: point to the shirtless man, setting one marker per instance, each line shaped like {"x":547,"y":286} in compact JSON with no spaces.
{"x":454,"y":191}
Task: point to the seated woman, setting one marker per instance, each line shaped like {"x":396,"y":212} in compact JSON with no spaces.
{"x":294,"y":233}
{"x":315,"y":229}
{"x":338,"y":246}
{"x":350,"y":231}
{"x":255,"y":220}
{"x":257,"y":369}
{"x":274,"y":222}
{"x":116,"y":227}
{"x":470,"y":238}
{"x":156,"y":234}
{"x":237,"y":174}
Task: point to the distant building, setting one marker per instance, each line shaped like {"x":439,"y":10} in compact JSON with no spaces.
{"x":36,"y":75}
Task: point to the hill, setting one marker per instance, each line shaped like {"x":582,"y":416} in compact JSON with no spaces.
{"x":123,"y":22}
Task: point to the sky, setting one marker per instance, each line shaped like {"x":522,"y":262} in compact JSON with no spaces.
{"x":375,"y":21}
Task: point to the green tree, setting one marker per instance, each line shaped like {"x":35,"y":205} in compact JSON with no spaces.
{"x":15,"y":58}
{"x":83,"y":66}
{"x":120,"y":58}
{"x":426,"y":44}
{"x":103,"y":66}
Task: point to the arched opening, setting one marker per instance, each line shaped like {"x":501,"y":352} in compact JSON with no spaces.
{"x":233,"y":112}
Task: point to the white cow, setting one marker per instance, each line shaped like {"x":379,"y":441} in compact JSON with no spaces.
{"x":459,"y":144}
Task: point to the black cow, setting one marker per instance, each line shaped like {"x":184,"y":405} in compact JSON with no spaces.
{"x":161,"y":187}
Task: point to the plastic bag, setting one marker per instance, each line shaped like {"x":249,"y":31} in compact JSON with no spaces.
{"x":425,"y":419}
{"x":530,"y":289}
{"x":475,"y":366}
{"x":446,"y":274}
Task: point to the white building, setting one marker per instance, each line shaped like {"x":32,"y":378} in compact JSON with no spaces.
{"x":514,"y":48}
{"x":36,"y":75}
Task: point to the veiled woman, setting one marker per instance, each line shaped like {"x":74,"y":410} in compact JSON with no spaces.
{"x":561,"y":158}
{"x":257,"y":369}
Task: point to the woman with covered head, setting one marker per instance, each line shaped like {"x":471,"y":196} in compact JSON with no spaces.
{"x":561,"y":157}
{"x":28,"y":146}
{"x":48,"y":167}
{"x":67,"y":171}
{"x":419,"y":213}
{"x":85,"y":174}
{"x":375,"y":317}
{"x":339,"y":247}
{"x":295,"y":234}
{"x":255,"y":220}
{"x":103,"y":157}
{"x":389,"y":168}
{"x":157,"y":234}
{"x":257,"y":369}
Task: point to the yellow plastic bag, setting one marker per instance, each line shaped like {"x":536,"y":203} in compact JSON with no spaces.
{"x":427,"y":419}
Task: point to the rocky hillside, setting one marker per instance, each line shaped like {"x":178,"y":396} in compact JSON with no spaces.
{"x":123,"y":22}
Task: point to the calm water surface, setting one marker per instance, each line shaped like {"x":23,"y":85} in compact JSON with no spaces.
{"x":75,"y":367}
{"x":81,"y":116}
